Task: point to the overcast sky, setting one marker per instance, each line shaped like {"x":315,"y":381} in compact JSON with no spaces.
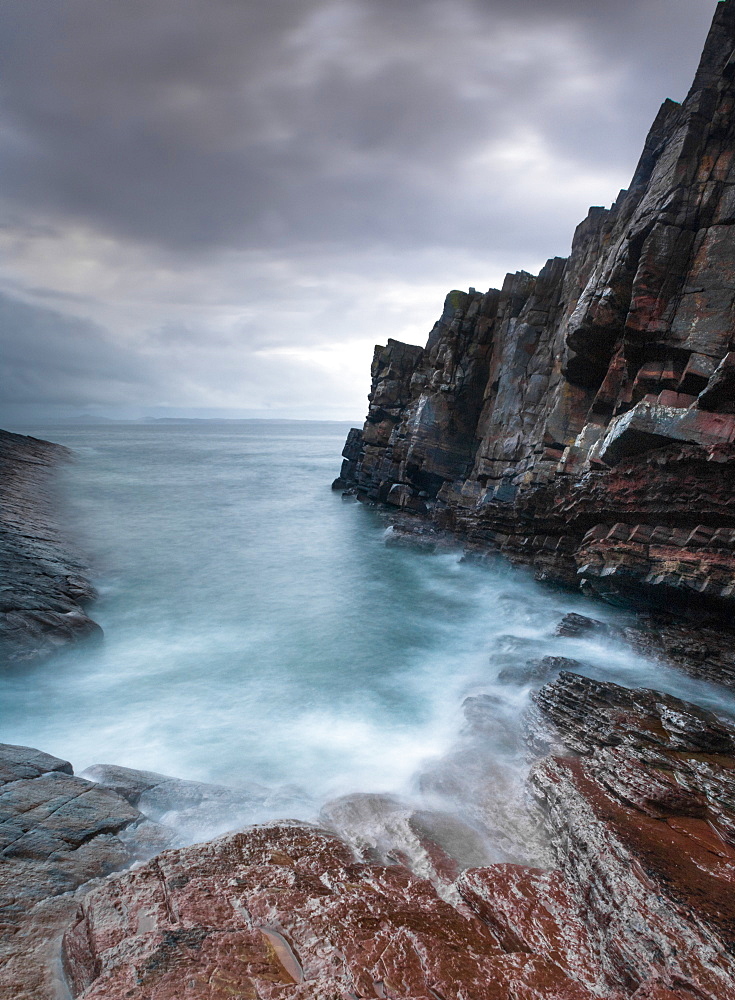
{"x":222,"y":205}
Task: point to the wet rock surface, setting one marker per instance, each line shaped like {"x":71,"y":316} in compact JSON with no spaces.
{"x":633,"y":798}
{"x":702,"y":650}
{"x":61,"y":833}
{"x":43,"y":584}
{"x":57,"y":832}
{"x":433,"y":845}
{"x":582,"y":421}
{"x":635,"y":794}
{"x":193,"y":809}
{"x":638,"y":798}
{"x":533,"y":911}
{"x":287,"y":910}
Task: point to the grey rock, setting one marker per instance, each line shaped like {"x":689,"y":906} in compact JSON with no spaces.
{"x":26,"y":762}
{"x":579,"y":626}
{"x":649,"y":426}
{"x":57,"y":830}
{"x":43,"y":583}
{"x":191,"y":808}
{"x":719,"y":394}
{"x":537,"y":671}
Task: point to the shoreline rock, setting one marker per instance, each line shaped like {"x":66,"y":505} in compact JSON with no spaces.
{"x":43,"y":584}
{"x":581,"y":422}
{"x":635,"y":793}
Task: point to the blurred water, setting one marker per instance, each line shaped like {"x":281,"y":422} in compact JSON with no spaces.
{"x":258,"y":629}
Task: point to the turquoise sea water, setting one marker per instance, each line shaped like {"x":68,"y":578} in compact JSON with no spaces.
{"x":257,"y":628}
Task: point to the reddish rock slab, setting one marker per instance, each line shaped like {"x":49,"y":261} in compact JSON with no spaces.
{"x":285,"y":911}
{"x":642,"y":827}
{"x":656,"y":893}
{"x":532,"y":910}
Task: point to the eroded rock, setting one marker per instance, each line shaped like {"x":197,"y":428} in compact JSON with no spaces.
{"x":640,"y":821}
{"x":57,"y":832}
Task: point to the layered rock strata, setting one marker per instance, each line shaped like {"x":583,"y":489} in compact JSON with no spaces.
{"x":582,"y":421}
{"x":43,"y":584}
{"x":639,"y":800}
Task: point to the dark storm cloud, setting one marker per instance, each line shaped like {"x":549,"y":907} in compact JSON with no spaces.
{"x":240,"y":123}
{"x":227,"y":202}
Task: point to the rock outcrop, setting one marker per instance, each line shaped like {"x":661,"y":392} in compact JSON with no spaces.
{"x":582,"y":421}
{"x":288,"y":911}
{"x":62,"y":834}
{"x":43,"y":586}
{"x":639,"y":800}
{"x":635,"y":792}
{"x":57,"y":832}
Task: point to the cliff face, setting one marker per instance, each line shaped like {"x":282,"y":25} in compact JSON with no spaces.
{"x":583,"y":421}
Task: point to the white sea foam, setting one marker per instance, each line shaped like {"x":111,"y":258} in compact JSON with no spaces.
{"x":259,"y":630}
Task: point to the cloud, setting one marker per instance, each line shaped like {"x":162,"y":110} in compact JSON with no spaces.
{"x":301,"y":346}
{"x":191,"y":125}
{"x":173,"y":168}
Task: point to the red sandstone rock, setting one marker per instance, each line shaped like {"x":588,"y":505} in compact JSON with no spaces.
{"x":654,"y":892}
{"x":640,"y":904}
{"x":532,"y":910}
{"x":285,"y":911}
{"x":642,"y":828}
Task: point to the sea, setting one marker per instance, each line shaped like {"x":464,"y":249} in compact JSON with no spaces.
{"x":259,"y":632}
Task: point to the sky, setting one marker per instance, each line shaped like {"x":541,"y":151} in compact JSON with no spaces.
{"x":218,"y":207}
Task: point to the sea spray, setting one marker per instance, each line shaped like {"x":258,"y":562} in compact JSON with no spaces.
{"x":259,"y":633}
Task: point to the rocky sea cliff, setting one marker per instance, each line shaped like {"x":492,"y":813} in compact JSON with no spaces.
{"x":581,"y":422}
